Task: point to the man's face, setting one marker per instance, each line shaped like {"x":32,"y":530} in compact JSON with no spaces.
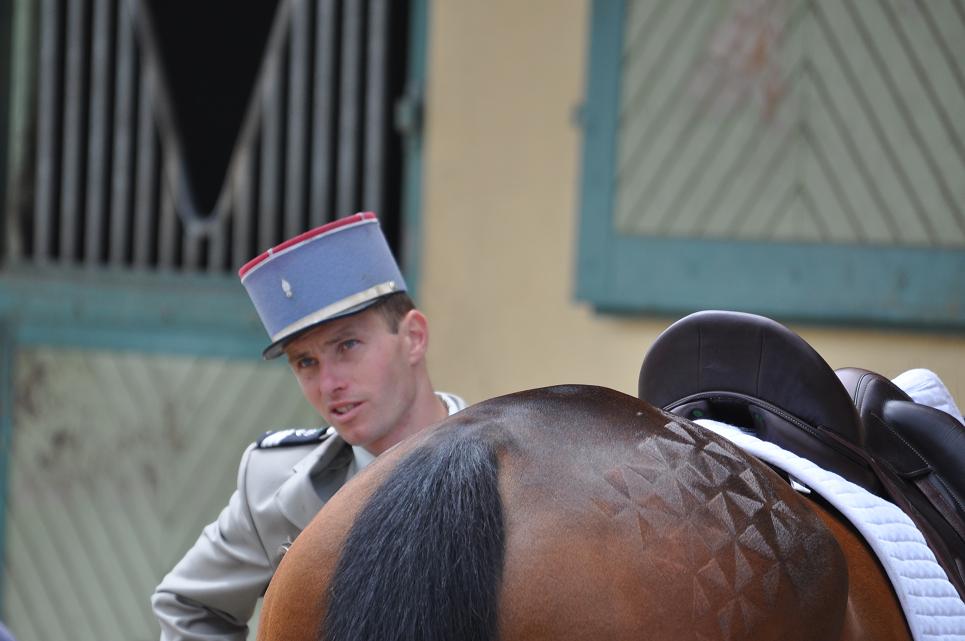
{"x":359,"y":376}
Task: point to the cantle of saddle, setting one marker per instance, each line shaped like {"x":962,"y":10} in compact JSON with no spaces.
{"x":754,"y":373}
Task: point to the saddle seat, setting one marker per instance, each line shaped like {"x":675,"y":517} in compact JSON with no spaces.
{"x":754,"y":373}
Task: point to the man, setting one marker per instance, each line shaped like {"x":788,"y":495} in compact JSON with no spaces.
{"x":333,"y":301}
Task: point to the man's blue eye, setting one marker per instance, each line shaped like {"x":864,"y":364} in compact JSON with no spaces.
{"x":349,"y":344}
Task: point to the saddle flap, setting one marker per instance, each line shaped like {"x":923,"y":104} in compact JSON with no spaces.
{"x":922,"y":445}
{"x":935,"y":499}
{"x":939,"y":439}
{"x":737,"y":362}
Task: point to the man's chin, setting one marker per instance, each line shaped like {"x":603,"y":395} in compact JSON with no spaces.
{"x":352,"y":433}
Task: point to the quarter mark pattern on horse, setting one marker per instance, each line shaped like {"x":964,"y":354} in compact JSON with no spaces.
{"x":735,"y":536}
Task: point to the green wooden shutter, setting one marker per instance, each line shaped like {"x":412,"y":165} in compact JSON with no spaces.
{"x":788,"y":157}
{"x":119,"y":459}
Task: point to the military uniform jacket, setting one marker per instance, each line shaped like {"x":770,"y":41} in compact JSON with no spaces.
{"x":212,"y":592}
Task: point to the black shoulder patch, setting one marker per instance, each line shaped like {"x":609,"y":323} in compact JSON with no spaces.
{"x":295,"y":436}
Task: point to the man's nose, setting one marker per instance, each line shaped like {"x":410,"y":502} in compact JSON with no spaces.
{"x":331,"y":380}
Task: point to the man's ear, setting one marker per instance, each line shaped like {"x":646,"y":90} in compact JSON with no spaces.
{"x":414,"y":326}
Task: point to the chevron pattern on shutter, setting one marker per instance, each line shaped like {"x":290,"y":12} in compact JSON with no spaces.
{"x":119,"y":460}
{"x":794,"y":121}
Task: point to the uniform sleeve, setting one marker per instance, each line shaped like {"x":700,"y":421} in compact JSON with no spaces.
{"x":211,"y":593}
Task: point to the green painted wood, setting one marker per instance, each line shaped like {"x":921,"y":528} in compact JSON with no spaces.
{"x":805,"y":106}
{"x":209,"y":315}
{"x":119,"y":460}
{"x":871,"y":57}
{"x":599,"y":117}
{"x":899,"y":286}
{"x":694,"y":114}
{"x":7,"y":351}
{"x":800,"y":160}
{"x":410,"y":120}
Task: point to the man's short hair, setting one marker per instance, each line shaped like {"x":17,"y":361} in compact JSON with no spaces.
{"x":393,"y":309}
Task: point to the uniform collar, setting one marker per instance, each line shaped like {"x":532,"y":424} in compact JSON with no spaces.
{"x":361,"y":458}
{"x":452,"y":402}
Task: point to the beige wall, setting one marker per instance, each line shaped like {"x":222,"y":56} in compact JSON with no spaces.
{"x":501,"y":211}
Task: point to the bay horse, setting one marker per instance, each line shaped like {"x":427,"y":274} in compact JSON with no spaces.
{"x":575,"y":512}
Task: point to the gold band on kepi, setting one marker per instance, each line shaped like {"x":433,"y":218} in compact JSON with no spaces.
{"x":326,"y":273}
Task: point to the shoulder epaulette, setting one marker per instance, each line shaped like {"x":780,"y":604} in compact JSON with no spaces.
{"x":295,"y":436}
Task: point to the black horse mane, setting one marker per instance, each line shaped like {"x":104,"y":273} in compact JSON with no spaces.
{"x":423,"y":560}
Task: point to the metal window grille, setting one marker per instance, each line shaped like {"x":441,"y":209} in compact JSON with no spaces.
{"x":104,"y":182}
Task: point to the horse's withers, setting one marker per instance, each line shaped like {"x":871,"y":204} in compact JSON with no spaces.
{"x":619,"y":521}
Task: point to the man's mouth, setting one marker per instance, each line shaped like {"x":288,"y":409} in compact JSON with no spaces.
{"x":345,"y":408}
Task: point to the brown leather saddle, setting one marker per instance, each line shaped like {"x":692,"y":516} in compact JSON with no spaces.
{"x":754,"y":373}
